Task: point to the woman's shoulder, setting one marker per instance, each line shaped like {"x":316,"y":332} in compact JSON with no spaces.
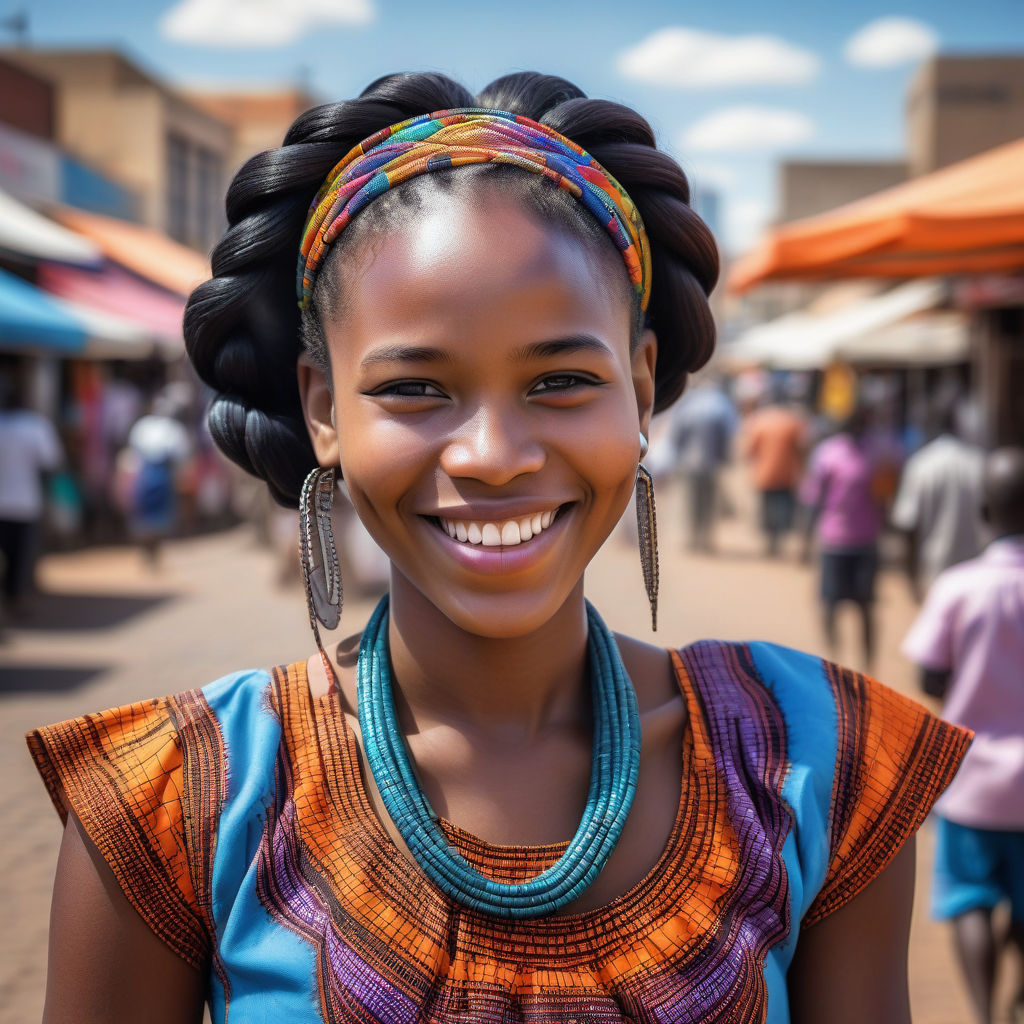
{"x":860,"y":764}
{"x":809,"y":691}
{"x":126,"y":729}
{"x":827,"y":714}
{"x":148,"y":782}
{"x":136,"y":756}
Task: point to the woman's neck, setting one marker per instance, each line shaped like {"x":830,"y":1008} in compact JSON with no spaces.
{"x":522,"y":683}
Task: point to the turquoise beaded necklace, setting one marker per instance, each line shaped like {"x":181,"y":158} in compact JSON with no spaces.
{"x":615,"y":763}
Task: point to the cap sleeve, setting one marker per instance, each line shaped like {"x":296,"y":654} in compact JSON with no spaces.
{"x":893,"y":760}
{"x":145,"y":782}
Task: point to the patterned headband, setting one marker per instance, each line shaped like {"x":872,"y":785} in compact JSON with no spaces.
{"x":451,"y":138}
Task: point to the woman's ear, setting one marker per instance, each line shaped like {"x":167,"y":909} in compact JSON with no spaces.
{"x":318,"y":411}
{"x":643,"y":361}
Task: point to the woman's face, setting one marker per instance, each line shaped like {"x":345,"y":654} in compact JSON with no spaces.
{"x":484,"y":387}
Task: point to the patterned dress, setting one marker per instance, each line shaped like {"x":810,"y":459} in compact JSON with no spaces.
{"x":236,"y":821}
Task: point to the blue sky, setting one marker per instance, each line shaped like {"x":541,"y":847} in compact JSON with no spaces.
{"x":797,"y":90}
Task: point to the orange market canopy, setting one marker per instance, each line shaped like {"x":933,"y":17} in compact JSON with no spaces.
{"x":143,"y":250}
{"x":963,"y":219}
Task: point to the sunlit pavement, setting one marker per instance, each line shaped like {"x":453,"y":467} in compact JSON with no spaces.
{"x":109,"y":630}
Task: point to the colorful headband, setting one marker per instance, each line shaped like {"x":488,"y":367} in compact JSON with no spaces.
{"x":451,"y":138}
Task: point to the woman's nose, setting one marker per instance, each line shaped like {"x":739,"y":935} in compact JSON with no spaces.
{"x":494,"y":446}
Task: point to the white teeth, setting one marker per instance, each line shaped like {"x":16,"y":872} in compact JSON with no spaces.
{"x":506,"y":533}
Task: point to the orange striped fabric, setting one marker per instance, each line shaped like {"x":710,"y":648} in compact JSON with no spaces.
{"x":706,"y":934}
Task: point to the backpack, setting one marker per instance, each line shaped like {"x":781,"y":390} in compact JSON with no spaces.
{"x":153,"y":492}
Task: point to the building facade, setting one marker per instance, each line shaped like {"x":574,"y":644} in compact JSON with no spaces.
{"x":259,"y":118}
{"x":958,"y":106}
{"x":135,"y":130}
{"x":807,"y":187}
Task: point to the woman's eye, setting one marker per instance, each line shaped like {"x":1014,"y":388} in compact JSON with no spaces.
{"x":411,"y":389}
{"x":562,"y":382}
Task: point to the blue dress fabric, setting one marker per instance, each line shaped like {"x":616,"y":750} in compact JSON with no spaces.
{"x":237,"y":821}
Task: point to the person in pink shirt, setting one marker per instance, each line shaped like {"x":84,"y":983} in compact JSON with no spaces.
{"x":969,"y":642}
{"x":839,"y":496}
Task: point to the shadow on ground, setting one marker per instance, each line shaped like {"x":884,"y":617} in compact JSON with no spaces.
{"x":46,"y":678}
{"x":86,"y":611}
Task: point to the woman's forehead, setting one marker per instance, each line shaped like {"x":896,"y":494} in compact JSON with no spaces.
{"x":454,"y":261}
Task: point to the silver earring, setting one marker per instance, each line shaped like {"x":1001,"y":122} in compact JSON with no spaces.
{"x":318,"y":554}
{"x":647,"y":530}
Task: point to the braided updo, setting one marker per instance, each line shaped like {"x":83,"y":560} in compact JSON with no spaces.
{"x":243,"y":329}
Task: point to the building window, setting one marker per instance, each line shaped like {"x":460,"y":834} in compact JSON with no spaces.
{"x":209,"y":197}
{"x":194,"y":193}
{"x":990,"y":93}
{"x":177,"y":188}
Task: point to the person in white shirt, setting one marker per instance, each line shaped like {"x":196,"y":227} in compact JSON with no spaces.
{"x":29,"y":449}
{"x":158,"y":446}
{"x":937,"y":504}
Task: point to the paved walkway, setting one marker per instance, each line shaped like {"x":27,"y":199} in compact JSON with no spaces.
{"x":108,"y":631}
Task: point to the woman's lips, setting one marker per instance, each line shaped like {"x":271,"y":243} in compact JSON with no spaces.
{"x":504,"y":556}
{"x":499,"y":532}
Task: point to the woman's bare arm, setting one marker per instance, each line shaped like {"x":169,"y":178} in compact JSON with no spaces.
{"x":851,"y":967}
{"x":106,"y":966}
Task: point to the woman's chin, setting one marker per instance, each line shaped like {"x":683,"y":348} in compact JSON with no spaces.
{"x":497,"y":615}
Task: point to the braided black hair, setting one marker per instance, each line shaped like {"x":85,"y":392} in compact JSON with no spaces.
{"x":243,"y":329}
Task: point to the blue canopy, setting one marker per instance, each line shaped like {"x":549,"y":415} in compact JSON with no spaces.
{"x":30,"y":319}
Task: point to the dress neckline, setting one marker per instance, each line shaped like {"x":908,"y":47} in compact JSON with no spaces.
{"x":681,"y":851}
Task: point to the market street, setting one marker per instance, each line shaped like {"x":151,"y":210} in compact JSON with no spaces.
{"x":109,"y":631}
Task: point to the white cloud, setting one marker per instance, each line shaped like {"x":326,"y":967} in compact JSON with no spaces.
{"x":257,"y":23}
{"x":691,"y":59}
{"x":711,"y":173}
{"x":738,"y":128}
{"x":744,"y":223}
{"x":888,"y":42}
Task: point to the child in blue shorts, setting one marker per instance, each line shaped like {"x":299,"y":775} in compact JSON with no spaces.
{"x":969,"y":642}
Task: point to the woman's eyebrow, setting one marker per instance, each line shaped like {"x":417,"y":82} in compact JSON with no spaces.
{"x":407,"y":354}
{"x":537,"y":350}
{"x":561,"y":346}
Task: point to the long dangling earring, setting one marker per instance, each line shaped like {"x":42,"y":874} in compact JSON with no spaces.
{"x":318,"y":555}
{"x":647,"y":529}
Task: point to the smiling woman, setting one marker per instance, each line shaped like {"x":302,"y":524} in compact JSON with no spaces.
{"x":485,"y":806}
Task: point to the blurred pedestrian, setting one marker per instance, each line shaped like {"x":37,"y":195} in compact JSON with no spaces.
{"x":158,"y":447}
{"x":938,"y":502}
{"x":703,"y":425}
{"x":29,"y":451}
{"x":842,"y":506}
{"x":969,"y":642}
{"x":774,"y":444}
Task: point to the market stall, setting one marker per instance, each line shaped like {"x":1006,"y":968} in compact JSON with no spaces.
{"x":965,"y":221}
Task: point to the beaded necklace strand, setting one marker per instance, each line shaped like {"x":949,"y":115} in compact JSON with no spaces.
{"x":615,"y":764}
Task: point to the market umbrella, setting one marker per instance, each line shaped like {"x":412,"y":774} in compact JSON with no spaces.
{"x":25,"y":233}
{"x":965,"y":218}
{"x":806,"y":340}
{"x":143,"y":250}
{"x":31,"y":320}
{"x":155,"y":312}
